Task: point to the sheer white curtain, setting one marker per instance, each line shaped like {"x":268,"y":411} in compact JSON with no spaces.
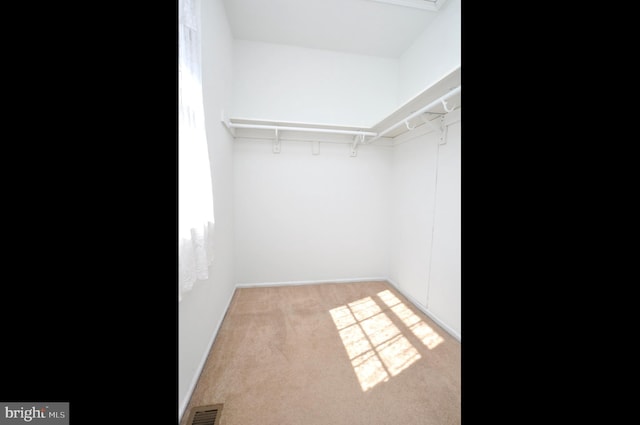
{"x":195,"y":196}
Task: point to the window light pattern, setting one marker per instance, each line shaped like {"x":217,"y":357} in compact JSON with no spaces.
{"x":377,"y":348}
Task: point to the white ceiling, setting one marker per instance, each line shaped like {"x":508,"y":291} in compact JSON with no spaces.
{"x":353,"y":26}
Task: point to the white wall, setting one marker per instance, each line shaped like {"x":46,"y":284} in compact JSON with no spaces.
{"x":287,"y":83}
{"x":425,"y":223}
{"x":435,"y":53}
{"x":412,"y":195}
{"x":203,"y":308}
{"x":304,"y":217}
{"x":444,"y":283}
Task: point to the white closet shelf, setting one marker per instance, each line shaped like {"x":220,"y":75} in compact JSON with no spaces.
{"x":294,"y":124}
{"x":447,"y":84}
{"x":433,"y":102}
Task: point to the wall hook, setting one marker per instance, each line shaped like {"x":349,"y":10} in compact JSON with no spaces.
{"x":444,"y":105}
{"x":407,"y":124}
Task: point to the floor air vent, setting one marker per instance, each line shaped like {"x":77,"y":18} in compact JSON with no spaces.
{"x":205,"y":415}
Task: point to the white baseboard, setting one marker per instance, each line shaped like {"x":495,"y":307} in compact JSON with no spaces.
{"x":426,"y":311}
{"x":196,"y":376}
{"x":311,"y":282}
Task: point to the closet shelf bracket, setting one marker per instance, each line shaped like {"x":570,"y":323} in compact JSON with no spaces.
{"x":354,"y":145}
{"x":439,"y":126}
{"x":443,"y":131}
{"x":276,"y":143}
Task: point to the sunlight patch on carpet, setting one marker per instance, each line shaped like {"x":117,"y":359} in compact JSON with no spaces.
{"x":398,"y":354}
{"x":420,"y":329}
{"x":376,"y":347}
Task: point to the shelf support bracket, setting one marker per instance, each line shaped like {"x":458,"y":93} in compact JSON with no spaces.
{"x":276,"y":143}
{"x":354,"y":145}
{"x":443,"y":131}
{"x":439,"y":126}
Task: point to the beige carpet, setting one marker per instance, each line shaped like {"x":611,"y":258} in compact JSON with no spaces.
{"x":330,"y":354}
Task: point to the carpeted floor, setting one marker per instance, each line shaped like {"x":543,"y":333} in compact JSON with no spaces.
{"x":330,"y":354}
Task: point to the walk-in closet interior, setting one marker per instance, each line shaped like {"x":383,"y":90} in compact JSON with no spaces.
{"x":333,"y":147}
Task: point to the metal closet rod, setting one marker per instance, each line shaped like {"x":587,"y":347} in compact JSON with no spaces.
{"x":422,"y":110}
{"x":312,"y":130}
